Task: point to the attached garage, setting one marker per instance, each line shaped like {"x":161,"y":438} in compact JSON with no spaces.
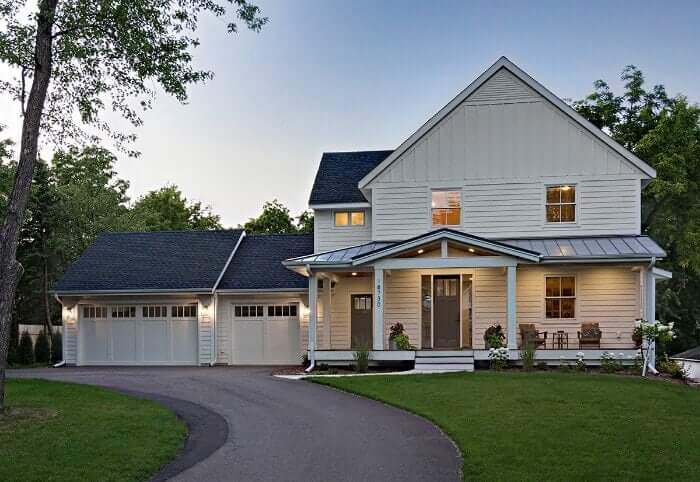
{"x":265,"y":334}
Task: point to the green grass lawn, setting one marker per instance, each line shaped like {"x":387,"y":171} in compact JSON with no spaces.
{"x":553,"y":426}
{"x":59,"y":431}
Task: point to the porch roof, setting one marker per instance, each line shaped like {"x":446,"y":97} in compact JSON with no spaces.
{"x":548,"y":250}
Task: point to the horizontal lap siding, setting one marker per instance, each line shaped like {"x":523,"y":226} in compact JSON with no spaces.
{"x":70,"y":335}
{"x":327,"y":236}
{"x":489,"y":302}
{"x":401,"y":303}
{"x":400,"y":212}
{"x":340,"y":304}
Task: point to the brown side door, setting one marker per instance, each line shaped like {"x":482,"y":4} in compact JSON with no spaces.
{"x":361,"y":321}
{"x":446,"y":311}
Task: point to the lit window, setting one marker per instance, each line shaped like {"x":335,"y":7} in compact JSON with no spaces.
{"x":560,"y":296}
{"x":561,"y":204}
{"x":349,"y":218}
{"x":94,"y":312}
{"x":446,"y":208}
{"x":184,"y":311}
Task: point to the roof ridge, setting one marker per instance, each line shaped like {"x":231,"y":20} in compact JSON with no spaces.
{"x":359,"y":152}
{"x":229,"y":230}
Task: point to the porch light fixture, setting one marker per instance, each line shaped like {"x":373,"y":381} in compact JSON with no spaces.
{"x":421,"y":251}
{"x":565,"y":188}
{"x":354,"y":274}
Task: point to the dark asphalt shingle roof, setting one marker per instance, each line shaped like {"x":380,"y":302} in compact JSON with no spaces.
{"x":692,"y":354}
{"x":170,"y":260}
{"x":257,"y":263}
{"x":338,"y":175}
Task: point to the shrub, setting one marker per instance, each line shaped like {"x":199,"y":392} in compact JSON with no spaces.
{"x":564,"y":365}
{"x":42,"y":349}
{"x":527,"y":355}
{"x":580,"y":365}
{"x":609,"y":363}
{"x":499,"y":358}
{"x":56,"y":347}
{"x":494,"y":336}
{"x":673,"y":368}
{"x":14,"y":343}
{"x":403,"y":343}
{"x":396,"y":330}
{"x":25,"y":349}
{"x":361,"y":357}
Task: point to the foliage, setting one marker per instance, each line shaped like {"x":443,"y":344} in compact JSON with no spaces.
{"x":395,"y":330}
{"x":580,"y":365}
{"x":609,"y":363}
{"x":547,"y":426}
{"x":166,"y":209}
{"x":564,"y":365}
{"x":25,"y":349}
{"x":361,"y":357}
{"x":494,"y":336}
{"x":498,"y":358}
{"x":673,"y":368}
{"x":665,"y":132}
{"x":275,"y":219}
{"x":403,"y":342}
{"x":42,"y":349}
{"x":56,"y":347}
{"x":143,"y":435}
{"x":527,"y":355}
{"x":14,"y":344}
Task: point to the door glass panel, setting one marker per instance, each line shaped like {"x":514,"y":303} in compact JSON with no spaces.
{"x":426,"y":311}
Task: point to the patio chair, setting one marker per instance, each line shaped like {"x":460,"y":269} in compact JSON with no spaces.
{"x":530,"y":334}
{"x":589,"y":336}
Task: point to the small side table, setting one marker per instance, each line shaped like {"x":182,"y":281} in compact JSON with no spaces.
{"x":560,"y":340}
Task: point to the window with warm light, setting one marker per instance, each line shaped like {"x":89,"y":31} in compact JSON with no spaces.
{"x":560,"y":296}
{"x":561,"y":204}
{"x":446,"y":208}
{"x":349,"y":218}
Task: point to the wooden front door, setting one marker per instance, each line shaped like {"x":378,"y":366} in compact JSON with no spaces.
{"x":361,"y":322}
{"x":446,"y":311}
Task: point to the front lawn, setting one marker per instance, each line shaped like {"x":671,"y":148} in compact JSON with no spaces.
{"x":60,"y":431}
{"x":552,"y":426}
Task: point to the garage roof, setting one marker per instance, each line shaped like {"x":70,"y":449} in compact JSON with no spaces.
{"x":158,"y":261}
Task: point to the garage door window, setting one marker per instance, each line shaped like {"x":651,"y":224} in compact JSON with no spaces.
{"x":94,"y":312}
{"x":155,"y":311}
{"x":184,"y":311}
{"x":248,"y":311}
{"x":123,"y":312}
{"x":285,"y":311}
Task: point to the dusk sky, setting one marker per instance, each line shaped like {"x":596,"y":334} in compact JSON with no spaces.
{"x":351,"y":75}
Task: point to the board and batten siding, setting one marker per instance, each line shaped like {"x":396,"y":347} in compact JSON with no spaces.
{"x":501,"y":147}
{"x":328,"y":236}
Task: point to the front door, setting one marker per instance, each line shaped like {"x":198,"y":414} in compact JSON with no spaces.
{"x":446,"y":311}
{"x":361,"y":322}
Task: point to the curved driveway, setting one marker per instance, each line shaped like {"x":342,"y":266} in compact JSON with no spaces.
{"x":287,"y":430}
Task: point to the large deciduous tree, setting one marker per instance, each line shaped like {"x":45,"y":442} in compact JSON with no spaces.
{"x":74,"y":58}
{"x":276,"y":219}
{"x":665,"y":132}
{"x":167,"y":209}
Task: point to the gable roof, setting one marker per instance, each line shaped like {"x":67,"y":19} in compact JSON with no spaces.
{"x":692,"y":354}
{"x":338,"y":175}
{"x":504,"y":63}
{"x":257,"y":264}
{"x":154,"y":261}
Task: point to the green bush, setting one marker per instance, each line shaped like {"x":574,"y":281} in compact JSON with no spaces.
{"x":673,"y":368}
{"x":42,"y":349}
{"x":361,"y":357}
{"x":527,"y":355}
{"x":56,"y":347}
{"x":14,"y":344}
{"x":25,"y":349}
{"x":403,"y":343}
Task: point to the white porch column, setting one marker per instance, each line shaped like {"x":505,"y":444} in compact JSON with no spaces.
{"x":511,"y":308}
{"x":378,"y":318}
{"x":313,"y":315}
{"x":650,"y":313}
{"x":327,"y":287}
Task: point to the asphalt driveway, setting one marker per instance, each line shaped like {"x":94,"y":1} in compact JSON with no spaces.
{"x":274,"y":429}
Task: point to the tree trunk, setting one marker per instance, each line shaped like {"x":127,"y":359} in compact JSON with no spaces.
{"x":10,"y":269}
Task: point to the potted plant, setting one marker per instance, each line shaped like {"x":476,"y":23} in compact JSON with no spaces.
{"x":638,"y":333}
{"x":494,"y":336}
{"x":395,"y":331}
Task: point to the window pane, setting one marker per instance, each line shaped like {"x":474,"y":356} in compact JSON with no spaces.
{"x":278,"y":311}
{"x":452,"y":216}
{"x":553,"y":286}
{"x":260,"y":310}
{"x":285,"y":311}
{"x":568,"y":286}
{"x":438,"y":217}
{"x":293,"y":310}
{"x":244,"y":311}
{"x":568,"y":194}
{"x":132,"y":311}
{"x":553,"y":308}
{"x":553,"y":195}
{"x":341,"y":219}
{"x":358,"y":218}
{"x":567,"y":307}
{"x":553,"y":214}
{"x":439,"y":199}
{"x":568,"y":213}
{"x":237,"y":311}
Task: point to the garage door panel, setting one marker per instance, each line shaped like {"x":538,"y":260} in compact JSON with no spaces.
{"x":95,"y":340}
{"x":124,"y":340}
{"x":279,"y":341}
{"x":155,"y":341}
{"x":265,"y":334}
{"x":183,"y":332}
{"x":248,"y":341}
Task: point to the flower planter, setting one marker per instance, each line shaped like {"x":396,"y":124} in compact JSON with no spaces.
{"x":392,"y":344}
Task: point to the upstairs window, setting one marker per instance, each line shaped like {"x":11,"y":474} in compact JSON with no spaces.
{"x":446,"y":208}
{"x":349,"y":218}
{"x":561,"y":204}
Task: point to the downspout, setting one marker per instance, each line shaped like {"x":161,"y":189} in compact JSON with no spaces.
{"x":63,"y":336}
{"x":312,"y":351}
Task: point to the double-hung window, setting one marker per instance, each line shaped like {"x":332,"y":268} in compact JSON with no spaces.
{"x":560,"y":296}
{"x":561,"y":204}
{"x":446,"y":208}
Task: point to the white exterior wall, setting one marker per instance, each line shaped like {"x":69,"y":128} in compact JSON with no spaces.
{"x":328,"y":236}
{"x":70,"y":334}
{"x":501,"y":148}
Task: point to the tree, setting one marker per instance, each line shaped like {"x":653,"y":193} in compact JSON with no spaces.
{"x":665,"y":132}
{"x":275,"y":219}
{"x":42,"y":349}
{"x":25,"y":350}
{"x":167,"y":209}
{"x":78,"y":57}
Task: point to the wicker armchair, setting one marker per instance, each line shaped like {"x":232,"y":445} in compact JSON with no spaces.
{"x":589,"y":336}
{"x":530,"y":334}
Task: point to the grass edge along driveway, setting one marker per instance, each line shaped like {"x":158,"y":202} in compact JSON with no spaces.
{"x":552,"y":426}
{"x":63,"y":431}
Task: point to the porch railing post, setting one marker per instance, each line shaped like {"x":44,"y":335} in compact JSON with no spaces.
{"x":378,"y":318}
{"x":512,"y":308}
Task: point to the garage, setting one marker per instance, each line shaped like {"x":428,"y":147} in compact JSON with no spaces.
{"x":265,"y":334}
{"x":159,"y":334}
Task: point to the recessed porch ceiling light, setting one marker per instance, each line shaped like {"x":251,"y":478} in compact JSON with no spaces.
{"x":354,"y":274}
{"x":471,"y":250}
{"x":565,"y":188}
{"x":421,"y":251}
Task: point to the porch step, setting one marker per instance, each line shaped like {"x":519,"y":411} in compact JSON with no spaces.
{"x":444,"y":360}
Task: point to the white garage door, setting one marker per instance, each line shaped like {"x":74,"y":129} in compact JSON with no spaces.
{"x":265,"y":334}
{"x":138,"y":335}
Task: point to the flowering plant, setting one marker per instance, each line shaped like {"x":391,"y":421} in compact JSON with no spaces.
{"x":609,"y":363}
{"x":498,"y":357}
{"x":654,"y":330}
{"x":580,"y":363}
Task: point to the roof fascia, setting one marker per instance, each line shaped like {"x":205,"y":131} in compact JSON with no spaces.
{"x":132,"y":292}
{"x":340,"y":205}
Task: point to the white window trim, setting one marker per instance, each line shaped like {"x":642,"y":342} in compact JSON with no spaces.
{"x":544,"y":296}
{"x":576,"y":203}
{"x":349,"y":212}
{"x":430,"y":207}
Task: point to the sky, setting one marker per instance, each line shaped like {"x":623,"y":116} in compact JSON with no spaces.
{"x":326,"y":75}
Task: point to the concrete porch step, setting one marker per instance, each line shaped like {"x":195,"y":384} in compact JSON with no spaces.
{"x":445,"y":359}
{"x":437,"y":367}
{"x":444,"y":353}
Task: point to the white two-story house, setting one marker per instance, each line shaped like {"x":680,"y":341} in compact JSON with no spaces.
{"x":506,"y":208}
